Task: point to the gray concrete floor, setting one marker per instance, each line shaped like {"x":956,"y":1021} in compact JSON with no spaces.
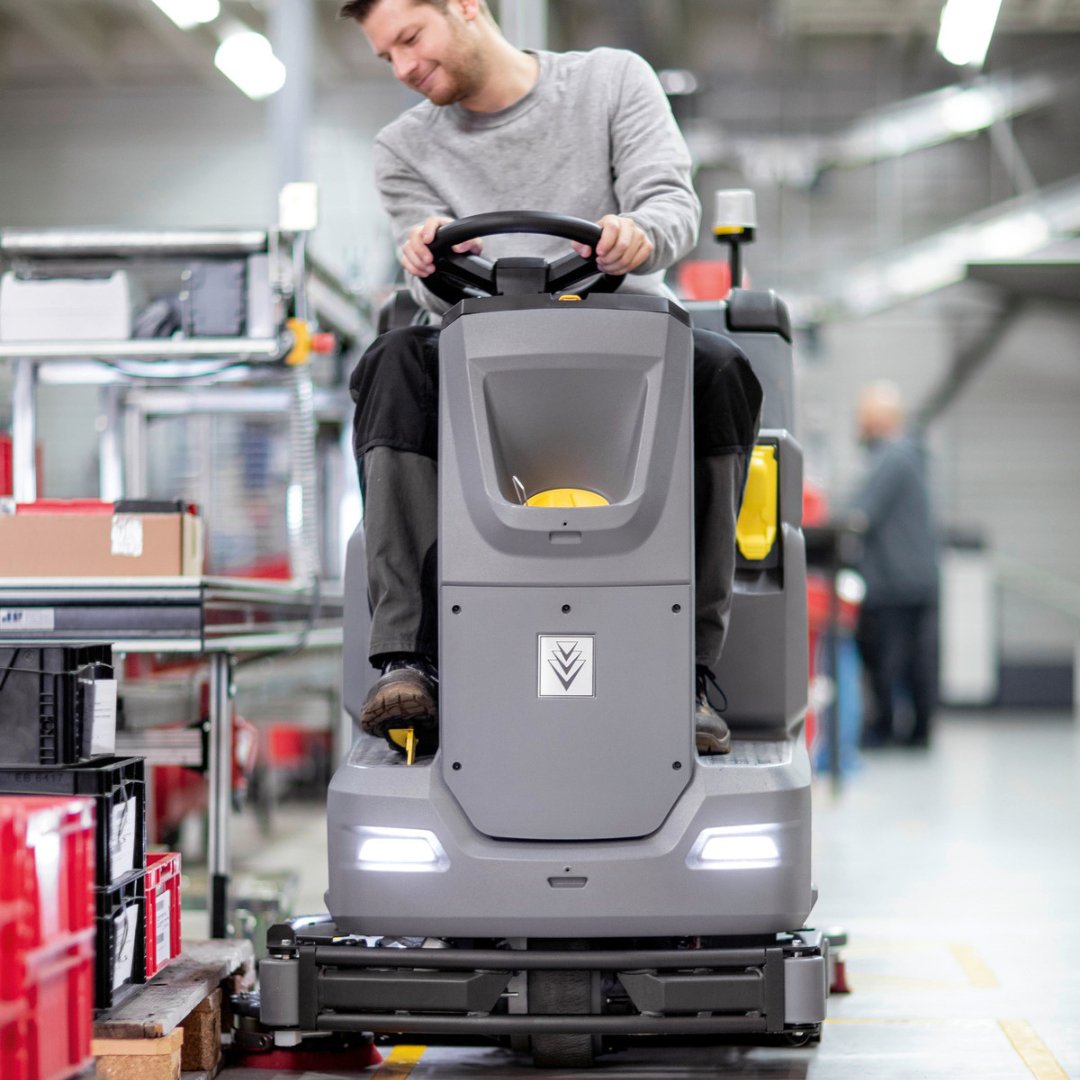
{"x":956,"y":872}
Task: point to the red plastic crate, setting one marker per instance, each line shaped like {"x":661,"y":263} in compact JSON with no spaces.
{"x":46,"y":873}
{"x":46,"y":936}
{"x":162,"y":910}
{"x":14,"y":915}
{"x":60,"y":999}
{"x":14,"y":1041}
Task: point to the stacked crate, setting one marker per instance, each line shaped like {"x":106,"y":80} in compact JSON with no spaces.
{"x":162,"y":910}
{"x":46,"y":936}
{"x":57,"y":720}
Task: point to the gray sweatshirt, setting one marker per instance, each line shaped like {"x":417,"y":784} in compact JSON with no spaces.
{"x":899,"y":559}
{"x":594,"y":136}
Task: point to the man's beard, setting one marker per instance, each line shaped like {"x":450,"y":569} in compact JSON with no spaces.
{"x":462,"y":77}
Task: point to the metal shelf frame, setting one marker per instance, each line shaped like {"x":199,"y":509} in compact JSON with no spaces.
{"x":219,"y":618}
{"x":216,"y":618}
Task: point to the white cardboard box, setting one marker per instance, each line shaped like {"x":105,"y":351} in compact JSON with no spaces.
{"x":64,"y":309}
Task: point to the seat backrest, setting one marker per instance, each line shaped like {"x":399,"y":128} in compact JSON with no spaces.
{"x":763,"y":670}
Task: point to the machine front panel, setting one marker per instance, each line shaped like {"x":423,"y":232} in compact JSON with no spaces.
{"x":566,"y":713}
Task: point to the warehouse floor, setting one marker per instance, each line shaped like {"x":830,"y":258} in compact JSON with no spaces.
{"x":956,"y":872}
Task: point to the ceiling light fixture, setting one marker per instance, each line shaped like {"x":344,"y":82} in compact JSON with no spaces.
{"x":966,"y":29}
{"x":247,"y":59}
{"x":189,"y":13}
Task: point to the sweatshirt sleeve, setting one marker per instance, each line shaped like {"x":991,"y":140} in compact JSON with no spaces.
{"x":651,"y":166}
{"x":882,"y":489}
{"x":408,"y":199}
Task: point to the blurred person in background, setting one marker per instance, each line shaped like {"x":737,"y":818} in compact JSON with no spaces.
{"x":897,"y":633}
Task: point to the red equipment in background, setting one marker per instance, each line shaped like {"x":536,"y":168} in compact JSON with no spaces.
{"x":704,"y":279}
{"x":46,"y":936}
{"x":7,"y":469}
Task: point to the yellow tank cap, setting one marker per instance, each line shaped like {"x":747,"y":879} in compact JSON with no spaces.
{"x":563,"y":497}
{"x":756,"y":529}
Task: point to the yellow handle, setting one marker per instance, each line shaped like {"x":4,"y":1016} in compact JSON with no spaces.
{"x":757,"y":525}
{"x":301,"y":350}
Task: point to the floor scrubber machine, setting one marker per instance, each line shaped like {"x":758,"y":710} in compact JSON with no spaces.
{"x":565,"y":874}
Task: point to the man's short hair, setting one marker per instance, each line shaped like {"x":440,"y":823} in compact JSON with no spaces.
{"x":361,"y":9}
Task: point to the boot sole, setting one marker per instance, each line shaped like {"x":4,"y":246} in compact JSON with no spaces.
{"x":398,"y":702}
{"x":710,"y":744}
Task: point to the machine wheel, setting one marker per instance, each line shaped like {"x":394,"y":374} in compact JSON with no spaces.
{"x":563,"y":993}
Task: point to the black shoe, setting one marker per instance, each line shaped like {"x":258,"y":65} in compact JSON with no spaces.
{"x":711,"y":733}
{"x":402,"y":707}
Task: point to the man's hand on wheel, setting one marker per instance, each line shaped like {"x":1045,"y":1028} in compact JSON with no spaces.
{"x":622,"y":247}
{"x":416,"y":254}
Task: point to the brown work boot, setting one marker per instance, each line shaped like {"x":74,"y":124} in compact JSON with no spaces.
{"x":711,"y":733}
{"x":402,"y":706}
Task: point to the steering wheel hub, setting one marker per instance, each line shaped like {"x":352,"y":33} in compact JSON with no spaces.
{"x":458,"y":276}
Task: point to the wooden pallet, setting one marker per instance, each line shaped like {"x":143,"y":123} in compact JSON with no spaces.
{"x":172,"y":1024}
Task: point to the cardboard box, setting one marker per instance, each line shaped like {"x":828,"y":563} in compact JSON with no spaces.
{"x":61,"y":309}
{"x":92,"y":540}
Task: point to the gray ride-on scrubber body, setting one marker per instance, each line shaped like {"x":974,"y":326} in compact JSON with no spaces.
{"x":566,"y":873}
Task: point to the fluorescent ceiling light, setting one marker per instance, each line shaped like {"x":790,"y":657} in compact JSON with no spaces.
{"x":968,"y":111}
{"x":247,"y":58}
{"x":189,"y":13}
{"x":966,"y":29}
{"x":677,"y":81}
{"x":1013,"y":236}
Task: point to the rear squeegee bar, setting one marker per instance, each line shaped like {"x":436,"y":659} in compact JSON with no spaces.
{"x":345,"y":956}
{"x":543,"y":1025}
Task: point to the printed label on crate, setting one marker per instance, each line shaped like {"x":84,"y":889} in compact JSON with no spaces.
{"x":127,"y":535}
{"x":101,"y":707}
{"x":163,"y":938}
{"x":125,"y":928}
{"x":27,"y":618}
{"x":122,"y":835}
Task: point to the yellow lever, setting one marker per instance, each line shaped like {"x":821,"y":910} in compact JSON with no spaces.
{"x":407,"y":740}
{"x":757,"y":526}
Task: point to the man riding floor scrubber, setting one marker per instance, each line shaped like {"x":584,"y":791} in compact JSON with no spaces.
{"x":566,"y":873}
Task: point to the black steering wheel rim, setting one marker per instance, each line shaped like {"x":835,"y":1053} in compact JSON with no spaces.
{"x":458,"y":276}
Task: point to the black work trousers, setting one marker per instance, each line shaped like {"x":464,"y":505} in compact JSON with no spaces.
{"x":396,"y":440}
{"x":898,"y":644}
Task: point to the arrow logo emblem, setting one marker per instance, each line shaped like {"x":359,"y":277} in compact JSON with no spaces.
{"x":566,"y":666}
{"x":566,"y":661}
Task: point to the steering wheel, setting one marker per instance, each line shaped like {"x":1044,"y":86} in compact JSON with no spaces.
{"x":458,"y":276}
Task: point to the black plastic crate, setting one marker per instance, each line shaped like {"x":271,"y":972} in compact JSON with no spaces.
{"x":120,"y":942}
{"x":118,"y":787}
{"x":46,"y":701}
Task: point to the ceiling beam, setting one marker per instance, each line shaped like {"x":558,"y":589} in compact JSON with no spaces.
{"x":193,"y":48}
{"x":70,"y":34}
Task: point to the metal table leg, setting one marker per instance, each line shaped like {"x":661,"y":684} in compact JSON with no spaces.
{"x":220,"y":792}
{"x":24,"y":431}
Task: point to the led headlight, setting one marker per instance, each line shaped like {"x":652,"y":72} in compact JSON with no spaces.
{"x":736,"y":847}
{"x":401,"y":850}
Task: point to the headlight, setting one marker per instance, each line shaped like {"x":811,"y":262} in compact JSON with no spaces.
{"x":736,"y":847}
{"x":401,"y":850}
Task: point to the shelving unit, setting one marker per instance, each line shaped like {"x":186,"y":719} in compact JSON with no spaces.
{"x":262,"y":370}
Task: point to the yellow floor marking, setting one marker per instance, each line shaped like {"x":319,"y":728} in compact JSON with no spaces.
{"x":1032,"y":1050}
{"x":978,"y":974}
{"x":401,"y":1061}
